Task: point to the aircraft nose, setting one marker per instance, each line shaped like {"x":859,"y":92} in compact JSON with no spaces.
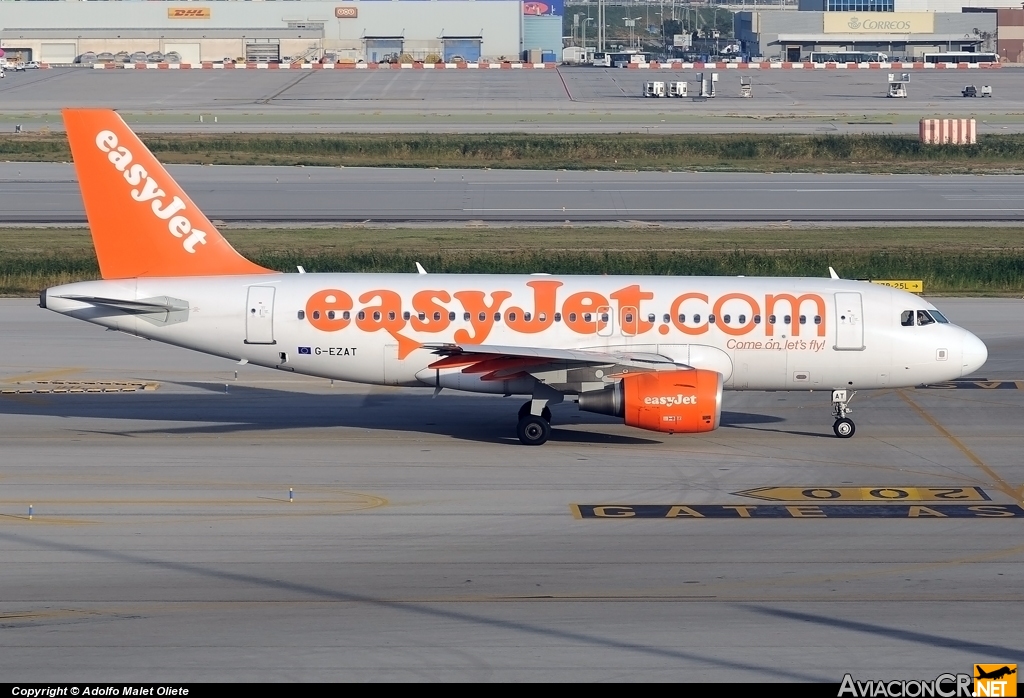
{"x":975,"y":354}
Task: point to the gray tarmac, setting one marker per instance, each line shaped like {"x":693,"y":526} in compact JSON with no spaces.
{"x":47,"y":193}
{"x":425,"y":544}
{"x":576,"y":100}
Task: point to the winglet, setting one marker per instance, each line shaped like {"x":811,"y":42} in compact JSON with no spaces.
{"x":420,"y":269}
{"x":832,"y":273}
{"x":142,"y":222}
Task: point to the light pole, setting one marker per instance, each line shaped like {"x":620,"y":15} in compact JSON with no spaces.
{"x":600,"y":25}
{"x":631,"y":23}
{"x":584,"y":41}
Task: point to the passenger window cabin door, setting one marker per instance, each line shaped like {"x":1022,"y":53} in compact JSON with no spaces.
{"x":628,"y":322}
{"x":849,"y":322}
{"x":259,"y":315}
{"x":605,"y":318}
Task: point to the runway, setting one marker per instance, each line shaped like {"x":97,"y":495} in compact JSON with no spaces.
{"x":566,"y":100}
{"x":425,"y":544}
{"x":47,"y":193}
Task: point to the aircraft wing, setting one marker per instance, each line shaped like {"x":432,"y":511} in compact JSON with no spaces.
{"x":548,"y":365}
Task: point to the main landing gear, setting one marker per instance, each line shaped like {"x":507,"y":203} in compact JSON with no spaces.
{"x":534,"y":429}
{"x":844,"y":426}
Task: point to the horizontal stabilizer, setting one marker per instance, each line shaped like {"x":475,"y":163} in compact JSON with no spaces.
{"x":132,"y":306}
{"x":162,"y":310}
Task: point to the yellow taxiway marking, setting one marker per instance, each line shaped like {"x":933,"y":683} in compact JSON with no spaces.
{"x":212,"y":509}
{"x":38,"y":376}
{"x":806,"y":510}
{"x":72,"y":386}
{"x":768,"y":587}
{"x":53,"y":614}
{"x":361,"y":501}
{"x":1015,"y":493}
{"x":26,"y":398}
{"x":38,"y":520}
{"x":866,"y":494}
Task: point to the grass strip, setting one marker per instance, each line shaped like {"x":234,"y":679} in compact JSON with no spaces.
{"x":1003,"y":153}
{"x":33,"y":259}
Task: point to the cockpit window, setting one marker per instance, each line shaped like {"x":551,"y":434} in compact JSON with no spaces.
{"x":923,"y":318}
{"x":939,"y":317}
{"x":907,"y":318}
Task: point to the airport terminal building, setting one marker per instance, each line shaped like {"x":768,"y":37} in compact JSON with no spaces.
{"x":904,"y":29}
{"x":340,"y":31}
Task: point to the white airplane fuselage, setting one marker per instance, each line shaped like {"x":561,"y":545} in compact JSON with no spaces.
{"x":759,"y":333}
{"x":654,"y":351}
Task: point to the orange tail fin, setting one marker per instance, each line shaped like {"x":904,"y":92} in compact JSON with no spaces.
{"x":143,"y":223}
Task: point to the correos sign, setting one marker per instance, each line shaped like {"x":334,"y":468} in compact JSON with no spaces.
{"x":879,"y":22}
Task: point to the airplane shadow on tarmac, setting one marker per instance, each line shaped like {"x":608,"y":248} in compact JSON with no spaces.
{"x":889,"y":633}
{"x":250,"y":409}
{"x":793,"y":432}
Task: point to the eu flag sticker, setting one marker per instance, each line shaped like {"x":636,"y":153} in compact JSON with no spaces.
{"x":305,"y":350}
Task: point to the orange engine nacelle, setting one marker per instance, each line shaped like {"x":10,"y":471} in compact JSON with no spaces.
{"x":676,"y":402}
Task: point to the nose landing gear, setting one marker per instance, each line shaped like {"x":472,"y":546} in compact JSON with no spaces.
{"x":843,"y":427}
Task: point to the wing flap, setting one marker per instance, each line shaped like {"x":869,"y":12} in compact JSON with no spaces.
{"x":477,"y":352}
{"x":557,"y":367}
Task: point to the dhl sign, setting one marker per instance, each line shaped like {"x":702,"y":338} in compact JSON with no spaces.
{"x":188,"y":13}
{"x":346,"y":12}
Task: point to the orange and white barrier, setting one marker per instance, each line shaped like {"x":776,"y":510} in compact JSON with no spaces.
{"x":675,"y":65}
{"x":327,"y":66}
{"x":952,"y":131}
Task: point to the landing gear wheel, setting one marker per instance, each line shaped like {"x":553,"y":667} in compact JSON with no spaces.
{"x":844,"y":428}
{"x":525,"y":410}
{"x":533,"y":430}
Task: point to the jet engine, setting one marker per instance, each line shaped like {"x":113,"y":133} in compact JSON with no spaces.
{"x":676,"y":402}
